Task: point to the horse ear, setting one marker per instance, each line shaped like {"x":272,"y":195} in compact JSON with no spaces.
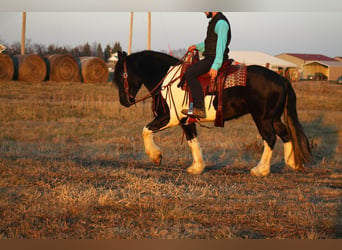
{"x":119,"y":55}
{"x":122,"y":55}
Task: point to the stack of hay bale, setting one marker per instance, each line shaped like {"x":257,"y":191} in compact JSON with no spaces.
{"x":57,"y":68}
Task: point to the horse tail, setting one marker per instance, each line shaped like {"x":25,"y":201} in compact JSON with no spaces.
{"x":301,"y":146}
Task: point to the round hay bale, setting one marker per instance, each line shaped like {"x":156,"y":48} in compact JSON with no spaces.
{"x":62,"y":68}
{"x":6,"y":68}
{"x":94,"y":70}
{"x":29,"y":68}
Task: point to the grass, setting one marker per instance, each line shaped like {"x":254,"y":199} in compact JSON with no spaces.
{"x":73,"y":166}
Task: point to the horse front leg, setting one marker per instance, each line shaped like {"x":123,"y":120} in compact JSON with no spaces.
{"x":151,"y":149}
{"x":198,"y":164}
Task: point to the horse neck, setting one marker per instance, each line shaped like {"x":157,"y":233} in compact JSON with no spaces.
{"x":152,"y":82}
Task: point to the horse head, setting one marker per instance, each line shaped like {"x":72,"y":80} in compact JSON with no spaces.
{"x":125,"y":79}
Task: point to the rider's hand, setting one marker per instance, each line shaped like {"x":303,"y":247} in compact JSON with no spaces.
{"x":192,"y":47}
{"x":213,"y":73}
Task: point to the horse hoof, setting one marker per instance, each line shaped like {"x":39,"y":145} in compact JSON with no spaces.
{"x":259,"y":173}
{"x":194,"y":171}
{"x":299,"y":168}
{"x":160,"y":160}
{"x":157,"y":160}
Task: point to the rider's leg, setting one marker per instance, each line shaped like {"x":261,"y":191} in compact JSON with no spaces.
{"x":190,"y":76}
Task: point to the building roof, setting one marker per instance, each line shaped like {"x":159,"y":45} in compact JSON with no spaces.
{"x":259,"y":58}
{"x":311,"y":57}
{"x":327,"y":63}
{"x":2,"y":48}
{"x":113,"y":58}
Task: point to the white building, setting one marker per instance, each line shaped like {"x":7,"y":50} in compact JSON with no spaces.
{"x":2,"y":48}
{"x":259,"y":58}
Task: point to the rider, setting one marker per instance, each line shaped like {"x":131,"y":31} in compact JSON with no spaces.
{"x":215,"y":51}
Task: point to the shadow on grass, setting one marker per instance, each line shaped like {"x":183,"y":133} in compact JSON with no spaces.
{"x":323,"y":138}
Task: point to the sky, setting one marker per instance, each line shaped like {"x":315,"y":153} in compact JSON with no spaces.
{"x":271,"y":32}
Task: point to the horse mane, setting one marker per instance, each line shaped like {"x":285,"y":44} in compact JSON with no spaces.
{"x":143,"y":62}
{"x":159,"y":56}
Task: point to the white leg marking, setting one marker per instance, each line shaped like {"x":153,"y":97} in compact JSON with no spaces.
{"x":198,"y":165}
{"x":289,"y":156}
{"x":263,"y":167}
{"x":151,"y":149}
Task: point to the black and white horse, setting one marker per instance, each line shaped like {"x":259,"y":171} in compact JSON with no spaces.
{"x":266,"y":96}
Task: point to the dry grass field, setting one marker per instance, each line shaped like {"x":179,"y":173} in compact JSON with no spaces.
{"x":73,"y":166}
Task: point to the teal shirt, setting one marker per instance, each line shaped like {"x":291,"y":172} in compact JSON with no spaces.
{"x":221,"y":30}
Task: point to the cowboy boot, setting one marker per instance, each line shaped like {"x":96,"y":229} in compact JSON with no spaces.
{"x":196,"y":113}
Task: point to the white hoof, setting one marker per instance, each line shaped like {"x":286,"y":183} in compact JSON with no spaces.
{"x":289,"y":157}
{"x":299,"y":168}
{"x":196,"y":170}
{"x":198,"y":165}
{"x":151,"y":149}
{"x":156,"y":156}
{"x":260,"y":171}
{"x":263,"y":168}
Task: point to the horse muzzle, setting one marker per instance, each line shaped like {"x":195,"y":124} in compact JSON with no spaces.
{"x":127,"y":101}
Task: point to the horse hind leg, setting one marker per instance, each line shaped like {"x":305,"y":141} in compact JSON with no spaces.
{"x":267,"y":132}
{"x":289,"y":156}
{"x":282,"y":132}
{"x":264,"y":165}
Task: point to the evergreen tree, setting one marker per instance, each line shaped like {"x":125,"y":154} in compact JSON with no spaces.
{"x":75,"y":52}
{"x":117,"y":47}
{"x":99,"y":51}
{"x":86,"y":50}
{"x":107,"y":52}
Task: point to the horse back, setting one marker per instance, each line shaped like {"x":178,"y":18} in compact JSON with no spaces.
{"x":262,"y":79}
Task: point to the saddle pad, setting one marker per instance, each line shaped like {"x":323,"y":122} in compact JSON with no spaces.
{"x":238,"y":78}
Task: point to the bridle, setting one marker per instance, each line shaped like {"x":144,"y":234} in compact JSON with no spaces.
{"x":126,"y":85}
{"x":153,"y":92}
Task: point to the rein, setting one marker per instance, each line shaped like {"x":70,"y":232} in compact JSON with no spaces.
{"x":151,"y":93}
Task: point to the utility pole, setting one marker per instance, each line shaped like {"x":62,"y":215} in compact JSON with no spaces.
{"x":130,"y":35}
{"x":149,"y":32}
{"x":23,"y":33}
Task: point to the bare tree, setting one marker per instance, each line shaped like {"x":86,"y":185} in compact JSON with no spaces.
{"x":14,"y":49}
{"x":39,"y":49}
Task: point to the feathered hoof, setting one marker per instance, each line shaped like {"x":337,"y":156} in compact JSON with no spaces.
{"x":298,"y":168}
{"x":157,"y":159}
{"x":294,"y":166}
{"x":195,"y":170}
{"x":259,"y":172}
